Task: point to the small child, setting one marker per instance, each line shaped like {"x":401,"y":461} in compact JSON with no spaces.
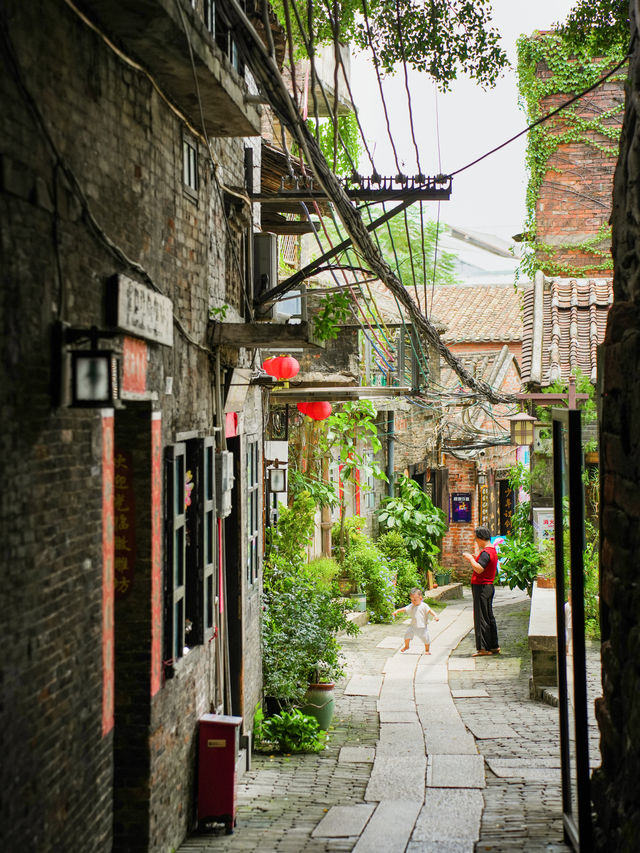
{"x":419,"y":612}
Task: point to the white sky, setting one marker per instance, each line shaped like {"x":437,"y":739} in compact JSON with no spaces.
{"x":489,"y":197}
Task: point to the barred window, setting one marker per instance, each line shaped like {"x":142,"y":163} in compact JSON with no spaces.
{"x":253,"y":508}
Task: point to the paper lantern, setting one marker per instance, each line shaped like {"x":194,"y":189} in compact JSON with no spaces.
{"x":318,"y":411}
{"x":281,"y":367}
{"x":302,"y":407}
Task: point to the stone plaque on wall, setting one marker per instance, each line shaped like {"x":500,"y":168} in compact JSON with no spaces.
{"x":142,"y":312}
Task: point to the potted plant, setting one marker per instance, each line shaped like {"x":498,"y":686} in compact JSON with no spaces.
{"x":442,"y":575}
{"x":301,"y":616}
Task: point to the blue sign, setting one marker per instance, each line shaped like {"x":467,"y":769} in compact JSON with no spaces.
{"x":461,"y":507}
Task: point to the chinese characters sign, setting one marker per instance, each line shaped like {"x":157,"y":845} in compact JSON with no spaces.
{"x":124,"y":523}
{"x":461,"y":507}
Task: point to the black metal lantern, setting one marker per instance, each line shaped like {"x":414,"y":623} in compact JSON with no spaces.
{"x":94,"y":378}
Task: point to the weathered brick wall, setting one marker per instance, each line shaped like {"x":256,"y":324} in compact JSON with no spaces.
{"x":124,"y":146}
{"x":615,"y":783}
{"x":460,"y":536}
{"x":574,"y":201}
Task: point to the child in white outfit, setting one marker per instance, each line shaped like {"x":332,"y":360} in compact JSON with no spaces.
{"x":419,"y":612}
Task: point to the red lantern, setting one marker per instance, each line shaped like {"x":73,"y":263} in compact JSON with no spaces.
{"x":302,"y":407}
{"x":281,"y":367}
{"x":319,"y":411}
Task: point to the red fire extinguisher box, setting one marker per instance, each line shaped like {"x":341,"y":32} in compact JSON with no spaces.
{"x":218,"y":739}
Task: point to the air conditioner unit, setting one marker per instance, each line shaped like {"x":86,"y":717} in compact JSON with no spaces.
{"x":265,"y":262}
{"x":224,"y":482}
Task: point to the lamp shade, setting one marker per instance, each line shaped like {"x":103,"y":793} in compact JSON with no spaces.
{"x":94,"y":378}
{"x":281,"y":367}
{"x":522,"y":429}
{"x":319,"y":411}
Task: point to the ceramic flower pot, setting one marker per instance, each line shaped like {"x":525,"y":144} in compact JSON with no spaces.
{"x":319,"y":703}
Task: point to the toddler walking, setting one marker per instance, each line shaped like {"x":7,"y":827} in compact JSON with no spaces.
{"x":419,"y":612}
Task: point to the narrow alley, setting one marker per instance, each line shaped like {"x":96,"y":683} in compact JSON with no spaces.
{"x":443,"y":752}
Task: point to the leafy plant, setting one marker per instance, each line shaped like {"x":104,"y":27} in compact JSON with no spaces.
{"x":288,"y":731}
{"x":352,"y":431}
{"x":218,"y":313}
{"x":369,"y":569}
{"x":335,"y":309}
{"x":405,"y":571}
{"x":414,"y":516}
{"x":300,"y":617}
{"x":322,"y":493}
{"x":520,"y":562}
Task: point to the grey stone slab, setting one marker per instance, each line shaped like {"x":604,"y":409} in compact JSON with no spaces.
{"x":449,"y":740}
{"x":409,"y":716}
{"x":472,"y":693}
{"x":441,"y":847}
{"x":461,"y":664}
{"x":448,"y":818}
{"x":390,"y":827}
{"x":401,"y":737}
{"x":455,"y":771}
{"x":356,"y":754}
{"x":344,"y":821}
{"x":490,"y":731}
{"x":364,"y":685}
{"x":400,"y":776}
{"x":395,"y":703}
{"x":517,"y":769}
{"x":390,"y":643}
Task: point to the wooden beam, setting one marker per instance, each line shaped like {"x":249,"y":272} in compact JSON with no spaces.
{"x":265,"y":335}
{"x":337,"y":393}
{"x":295,"y":228}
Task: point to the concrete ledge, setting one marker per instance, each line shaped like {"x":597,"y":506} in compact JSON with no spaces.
{"x":449,"y":591}
{"x":542,"y":641}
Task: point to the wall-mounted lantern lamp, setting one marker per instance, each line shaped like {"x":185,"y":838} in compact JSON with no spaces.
{"x":95,"y":375}
{"x":522,"y":429}
{"x":277,"y":479}
{"x":482,"y":478}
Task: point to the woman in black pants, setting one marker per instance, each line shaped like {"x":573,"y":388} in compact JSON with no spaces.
{"x":485,"y":564}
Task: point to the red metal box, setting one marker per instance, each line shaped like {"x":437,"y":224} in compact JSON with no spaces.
{"x":218,"y":738}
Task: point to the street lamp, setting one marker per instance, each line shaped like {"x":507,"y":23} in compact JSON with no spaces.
{"x":522,"y":429}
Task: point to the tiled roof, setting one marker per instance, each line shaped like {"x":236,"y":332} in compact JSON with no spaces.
{"x":475,"y":313}
{"x":564,"y":321}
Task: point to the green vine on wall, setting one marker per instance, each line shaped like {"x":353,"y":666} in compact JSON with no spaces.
{"x":565,"y":70}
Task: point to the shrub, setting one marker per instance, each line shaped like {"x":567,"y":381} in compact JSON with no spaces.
{"x":324,"y":570}
{"x":393,"y":547}
{"x":520,"y":562}
{"x":413,"y":515}
{"x":288,"y":731}
{"x":367,"y":567}
{"x":300,"y":616}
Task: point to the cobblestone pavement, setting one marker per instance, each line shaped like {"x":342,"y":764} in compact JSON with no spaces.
{"x":523,"y":802}
{"x":282,"y":799}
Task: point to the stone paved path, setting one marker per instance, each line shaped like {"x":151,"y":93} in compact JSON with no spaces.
{"x":490,"y":779}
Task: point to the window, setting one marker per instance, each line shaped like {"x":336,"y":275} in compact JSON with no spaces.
{"x":369,"y":484}
{"x":210,"y":16}
{"x":253,"y":507}
{"x":190,"y":585}
{"x":190,"y":165}
{"x":176,"y":550}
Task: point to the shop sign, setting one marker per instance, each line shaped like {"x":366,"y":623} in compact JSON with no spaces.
{"x":142,"y":312}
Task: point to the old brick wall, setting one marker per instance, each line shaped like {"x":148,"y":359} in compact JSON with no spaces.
{"x":122,"y":144}
{"x":615,"y":783}
{"x":574,"y":201}
{"x":460,"y":536}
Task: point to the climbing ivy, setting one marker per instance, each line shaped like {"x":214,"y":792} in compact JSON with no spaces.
{"x":567,"y":70}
